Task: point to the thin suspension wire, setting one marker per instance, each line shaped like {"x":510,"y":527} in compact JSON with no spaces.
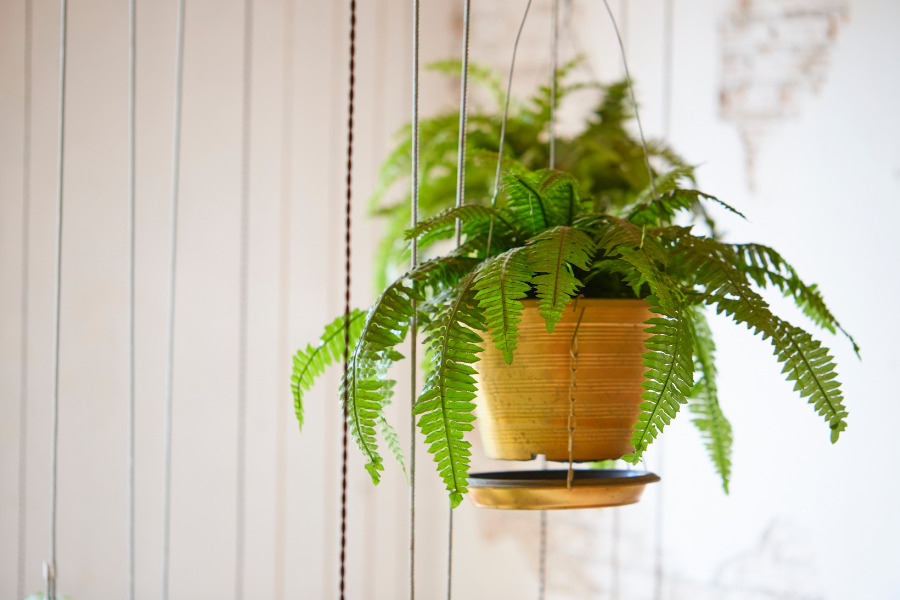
{"x":50,"y":567}
{"x":132,"y":99}
{"x":637,"y":115}
{"x":414,"y":251}
{"x":170,"y":350}
{"x":463,"y":106}
{"x":25,"y":299}
{"x":512,"y":67}
{"x":554,"y":47}
{"x":347,"y":248}
{"x":241,"y":454}
{"x":554,"y":52}
{"x":284,"y":297}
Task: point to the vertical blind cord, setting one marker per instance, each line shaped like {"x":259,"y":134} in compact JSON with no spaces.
{"x":26,"y":266}
{"x":637,"y":115}
{"x":132,"y":100}
{"x":414,"y":251}
{"x":50,"y":567}
{"x":284,"y":294}
{"x":512,"y":67}
{"x":347,"y":248}
{"x":170,"y":356}
{"x":241,"y":453}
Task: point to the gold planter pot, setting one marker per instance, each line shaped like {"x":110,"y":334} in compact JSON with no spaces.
{"x":524,"y":408}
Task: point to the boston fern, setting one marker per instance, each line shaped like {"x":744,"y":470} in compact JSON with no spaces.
{"x":545,"y":238}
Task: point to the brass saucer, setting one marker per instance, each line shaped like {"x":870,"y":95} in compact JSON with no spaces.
{"x":546,"y":490}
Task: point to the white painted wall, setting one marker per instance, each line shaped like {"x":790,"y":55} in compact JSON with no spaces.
{"x":804,"y":520}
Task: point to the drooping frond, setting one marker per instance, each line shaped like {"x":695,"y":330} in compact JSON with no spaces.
{"x":447,"y":218}
{"x":704,"y":403}
{"x":726,"y":287}
{"x":767,"y":268}
{"x":552,"y":255}
{"x":310,"y":363}
{"x":668,"y":375}
{"x":664,"y":183}
{"x":808,"y":364}
{"x":445,"y":406}
{"x":366,"y":387}
{"x":501,"y":285}
{"x":632,"y":244}
{"x":392,"y":441}
{"x":661,"y":210}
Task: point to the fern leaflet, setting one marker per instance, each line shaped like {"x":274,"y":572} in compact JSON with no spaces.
{"x":501,"y":285}
{"x":668,"y":375}
{"x":709,"y":419}
{"x":552,"y":255}
{"x":445,"y":405}
{"x":311,"y":362}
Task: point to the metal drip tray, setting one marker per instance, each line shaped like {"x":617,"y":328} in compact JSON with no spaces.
{"x":546,"y":490}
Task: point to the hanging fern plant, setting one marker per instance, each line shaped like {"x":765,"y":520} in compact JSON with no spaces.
{"x":554,"y":235}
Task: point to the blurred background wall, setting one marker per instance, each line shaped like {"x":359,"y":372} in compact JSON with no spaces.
{"x":789,"y":108}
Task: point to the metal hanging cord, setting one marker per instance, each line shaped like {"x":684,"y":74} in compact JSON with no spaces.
{"x":26,"y":266}
{"x":241,"y":454}
{"x":413,"y":326}
{"x":637,"y":116}
{"x":132,"y":98}
{"x":512,"y":68}
{"x":170,"y":350}
{"x":50,"y":566}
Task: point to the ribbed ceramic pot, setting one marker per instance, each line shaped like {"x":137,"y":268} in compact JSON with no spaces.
{"x":523,"y":408}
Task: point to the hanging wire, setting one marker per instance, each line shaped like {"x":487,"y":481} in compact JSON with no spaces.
{"x":132,"y":99}
{"x":413,"y":326}
{"x":241,"y":454}
{"x":347,"y":248}
{"x":26,"y":266}
{"x":554,"y":46}
{"x":512,"y":67}
{"x":463,"y":105}
{"x":554,"y":52}
{"x":637,"y":115}
{"x":284,"y":296}
{"x":170,"y":351}
{"x":50,"y":566}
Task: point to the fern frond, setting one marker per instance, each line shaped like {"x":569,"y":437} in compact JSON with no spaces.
{"x":501,"y":285}
{"x":392,"y":441}
{"x":632,"y":244}
{"x":445,"y":406}
{"x":668,"y":374}
{"x":310,"y":363}
{"x":767,"y":268}
{"x":709,"y":418}
{"x":807,"y":362}
{"x":661,"y":210}
{"x":552,"y":255}
{"x":365,"y":389}
{"x":466,"y":212}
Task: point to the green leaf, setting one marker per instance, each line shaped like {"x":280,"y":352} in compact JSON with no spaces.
{"x":445,"y":406}
{"x":552,"y":255}
{"x":310,"y":363}
{"x":668,"y":375}
{"x":501,"y":285}
{"x":709,"y":418}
